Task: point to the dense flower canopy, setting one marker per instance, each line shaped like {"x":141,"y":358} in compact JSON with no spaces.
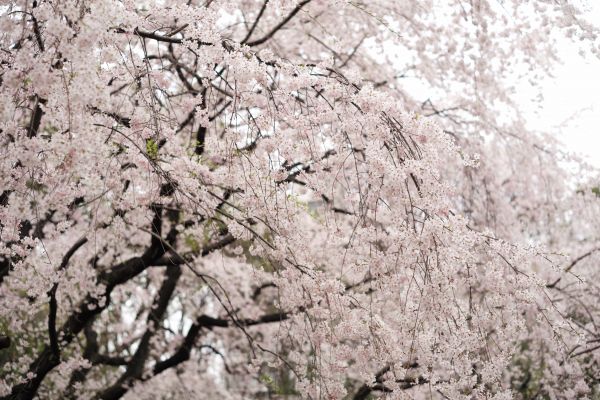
{"x":244,"y":199}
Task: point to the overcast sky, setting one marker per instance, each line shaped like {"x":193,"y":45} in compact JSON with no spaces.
{"x":572,"y":99}
{"x":573,"y":96}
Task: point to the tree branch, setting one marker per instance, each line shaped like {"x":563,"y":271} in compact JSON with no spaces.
{"x":164,"y":38}
{"x":279,"y":25}
{"x":91,"y":306}
{"x":204,"y":321}
{"x":571,"y":265}
{"x":151,"y":35}
{"x":258,"y":17}
{"x":135,"y":367}
{"x":36,"y":117}
{"x":4,"y":342}
{"x":53,"y":304}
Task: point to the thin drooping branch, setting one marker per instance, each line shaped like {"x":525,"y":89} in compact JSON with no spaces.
{"x":571,"y":265}
{"x":586,"y":351}
{"x":352,"y":234}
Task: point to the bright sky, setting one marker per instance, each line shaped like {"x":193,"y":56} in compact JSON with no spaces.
{"x":570,"y":108}
{"x":572,"y":98}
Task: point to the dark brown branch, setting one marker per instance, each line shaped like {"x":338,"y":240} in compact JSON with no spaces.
{"x":353,"y":52}
{"x":90,"y":353}
{"x":201,"y":133}
{"x":217,"y":352}
{"x":258,"y":290}
{"x":571,"y":265}
{"x":206,"y":322}
{"x":258,"y":17}
{"x":4,"y":342}
{"x":37,"y":32}
{"x":220,"y":111}
{"x":209,"y":322}
{"x":154,"y":36}
{"x":226,"y":240}
{"x":109,"y":360}
{"x":36,"y":117}
{"x":5,"y":263}
{"x":118,"y":119}
{"x":52,"y":295}
{"x":280,"y":25}
{"x":91,"y":306}
{"x":365,"y":390}
{"x":586,"y":351}
{"x":164,"y":38}
{"x":172,"y":259}
{"x":135,"y":367}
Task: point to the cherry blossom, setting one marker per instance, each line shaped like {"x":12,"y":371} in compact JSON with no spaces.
{"x":239,"y":199}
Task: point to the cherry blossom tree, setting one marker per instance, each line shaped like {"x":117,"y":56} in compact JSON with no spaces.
{"x":246,"y":199}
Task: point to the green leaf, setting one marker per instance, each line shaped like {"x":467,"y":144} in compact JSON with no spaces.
{"x":35,"y":185}
{"x":152,"y":149}
{"x":192,"y":243}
